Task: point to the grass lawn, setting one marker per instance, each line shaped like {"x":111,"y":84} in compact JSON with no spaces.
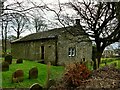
{"x":110,"y":61}
{"x":56,"y":72}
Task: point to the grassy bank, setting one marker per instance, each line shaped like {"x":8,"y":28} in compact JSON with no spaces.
{"x":56,"y":72}
{"x":110,"y":61}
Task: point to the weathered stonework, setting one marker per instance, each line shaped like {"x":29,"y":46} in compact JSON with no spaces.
{"x":18,"y":76}
{"x":53,"y":46}
{"x":36,"y":86}
{"x":19,"y":61}
{"x":33,"y":73}
{"x":5,"y":66}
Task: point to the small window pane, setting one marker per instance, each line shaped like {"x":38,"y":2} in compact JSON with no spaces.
{"x":71,"y":52}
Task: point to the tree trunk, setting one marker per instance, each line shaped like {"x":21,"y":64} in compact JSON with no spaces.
{"x":6,"y":31}
{"x":2,"y":37}
{"x":94,"y":65}
{"x":94,"y":56}
{"x":96,"y":59}
{"x":99,"y":55}
{"x":99,"y":52}
{"x":18,"y":34}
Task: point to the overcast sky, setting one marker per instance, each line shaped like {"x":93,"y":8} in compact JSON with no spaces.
{"x":49,"y":15}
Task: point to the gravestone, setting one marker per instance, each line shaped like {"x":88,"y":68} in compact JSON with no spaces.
{"x":33,"y":73}
{"x":51,"y":82}
{"x":8,"y":59}
{"x":19,"y":61}
{"x":5,"y":66}
{"x":18,"y":76}
{"x":36,"y":86}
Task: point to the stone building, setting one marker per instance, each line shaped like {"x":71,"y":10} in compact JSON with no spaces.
{"x":58,"y":46}
{"x":108,"y":53}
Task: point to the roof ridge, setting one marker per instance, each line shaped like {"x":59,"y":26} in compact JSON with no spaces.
{"x":51,"y":33}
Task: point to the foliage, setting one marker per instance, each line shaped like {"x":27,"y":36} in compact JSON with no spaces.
{"x":110,"y":61}
{"x":75,"y":74}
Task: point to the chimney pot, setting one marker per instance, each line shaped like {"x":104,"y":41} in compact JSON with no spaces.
{"x":77,"y":21}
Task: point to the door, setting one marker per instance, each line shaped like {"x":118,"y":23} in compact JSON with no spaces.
{"x":42,"y":52}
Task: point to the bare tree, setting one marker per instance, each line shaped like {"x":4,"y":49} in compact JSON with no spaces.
{"x":1,"y":7}
{"x":18,"y":24}
{"x":5,"y":23}
{"x":39,"y":24}
{"x":100,"y":23}
{"x":98,"y":20}
{"x":19,"y":12}
{"x":118,"y":16}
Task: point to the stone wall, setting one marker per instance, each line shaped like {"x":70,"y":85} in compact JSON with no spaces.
{"x":83,"y":48}
{"x":32,"y":50}
{"x":55,"y":49}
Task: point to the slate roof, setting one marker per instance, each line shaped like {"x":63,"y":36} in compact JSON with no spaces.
{"x":50,"y":34}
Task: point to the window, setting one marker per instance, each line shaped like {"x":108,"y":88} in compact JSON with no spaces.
{"x":71,"y":52}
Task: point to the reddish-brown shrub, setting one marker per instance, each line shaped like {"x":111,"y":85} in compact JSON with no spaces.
{"x":75,"y":74}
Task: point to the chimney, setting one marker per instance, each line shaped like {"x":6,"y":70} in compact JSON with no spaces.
{"x":77,"y":21}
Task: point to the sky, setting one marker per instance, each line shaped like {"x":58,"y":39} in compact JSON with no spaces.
{"x":49,"y":15}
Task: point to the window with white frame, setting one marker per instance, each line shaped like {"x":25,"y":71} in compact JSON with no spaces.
{"x":71,"y":52}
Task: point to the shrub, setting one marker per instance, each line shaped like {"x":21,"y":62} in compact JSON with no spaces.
{"x":8,"y":58}
{"x":75,"y":74}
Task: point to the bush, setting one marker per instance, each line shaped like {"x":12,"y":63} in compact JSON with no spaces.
{"x":75,"y":74}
